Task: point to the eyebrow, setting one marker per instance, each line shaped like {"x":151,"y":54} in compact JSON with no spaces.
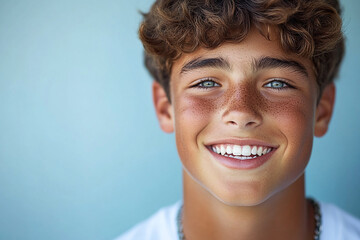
{"x":257,"y":65}
{"x":269,"y":62}
{"x":206,"y":63}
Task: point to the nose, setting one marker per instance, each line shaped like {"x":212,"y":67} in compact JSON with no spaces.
{"x":242,"y":108}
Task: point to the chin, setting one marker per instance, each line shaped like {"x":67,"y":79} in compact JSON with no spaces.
{"x":240,"y":194}
{"x":250,"y":194}
{"x":247,"y":199}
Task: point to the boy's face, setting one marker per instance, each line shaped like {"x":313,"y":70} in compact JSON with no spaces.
{"x":226,"y":101}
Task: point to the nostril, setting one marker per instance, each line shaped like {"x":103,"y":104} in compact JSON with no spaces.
{"x":250,"y":124}
{"x":242,"y":119}
{"x":232,"y":123}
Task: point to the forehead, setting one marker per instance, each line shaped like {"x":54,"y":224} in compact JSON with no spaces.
{"x":253,"y":51}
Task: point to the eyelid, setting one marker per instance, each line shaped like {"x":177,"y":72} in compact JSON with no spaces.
{"x":199,"y":81}
{"x":279,"y":80}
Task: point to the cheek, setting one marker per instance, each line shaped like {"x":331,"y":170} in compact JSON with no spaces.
{"x":294,"y":115}
{"x":295,"y":121}
{"x":193,"y":112}
{"x":192,"y":115}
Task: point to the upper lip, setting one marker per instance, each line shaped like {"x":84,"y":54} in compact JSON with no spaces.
{"x":242,"y":142}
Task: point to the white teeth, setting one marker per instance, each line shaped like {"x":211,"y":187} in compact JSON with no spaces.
{"x":229,"y":149}
{"x":246,"y":150}
{"x":254,"y":150}
{"x":264,"y":151}
{"x":222,"y":149}
{"x":237,"y":150}
{"x":218,"y":150}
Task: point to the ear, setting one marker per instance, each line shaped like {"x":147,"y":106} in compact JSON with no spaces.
{"x":324,"y":110}
{"x":163,"y":108}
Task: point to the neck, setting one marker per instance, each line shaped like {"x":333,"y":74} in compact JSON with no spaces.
{"x":285,"y":215}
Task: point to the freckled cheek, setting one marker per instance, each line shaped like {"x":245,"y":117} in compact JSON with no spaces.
{"x":194,"y":111}
{"x":295,"y":119}
{"x":192,"y":115}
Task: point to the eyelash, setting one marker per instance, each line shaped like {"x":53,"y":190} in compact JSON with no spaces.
{"x":198,"y":84}
{"x":287,"y":85}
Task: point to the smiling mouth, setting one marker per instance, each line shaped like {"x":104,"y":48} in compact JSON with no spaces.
{"x":240,"y":152}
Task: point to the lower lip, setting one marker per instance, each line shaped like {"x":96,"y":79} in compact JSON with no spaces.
{"x":242,"y":164}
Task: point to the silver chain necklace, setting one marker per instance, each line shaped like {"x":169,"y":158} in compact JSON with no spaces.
{"x":317,"y":216}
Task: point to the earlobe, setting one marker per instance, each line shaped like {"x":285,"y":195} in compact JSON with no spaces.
{"x":163,"y":108}
{"x":324,"y":110}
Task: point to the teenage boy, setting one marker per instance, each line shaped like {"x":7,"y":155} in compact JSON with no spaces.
{"x":245,"y":85}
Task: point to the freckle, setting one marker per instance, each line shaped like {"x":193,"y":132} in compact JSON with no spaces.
{"x":199,"y":107}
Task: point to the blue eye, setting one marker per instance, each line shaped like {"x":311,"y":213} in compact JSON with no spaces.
{"x":207,"y":84}
{"x":277,"y":84}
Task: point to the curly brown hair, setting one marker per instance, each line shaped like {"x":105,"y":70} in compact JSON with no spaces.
{"x":309,"y":28}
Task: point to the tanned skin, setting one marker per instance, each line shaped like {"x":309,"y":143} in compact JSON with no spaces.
{"x":247,"y":93}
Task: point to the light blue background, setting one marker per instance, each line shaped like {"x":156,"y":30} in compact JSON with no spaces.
{"x":81,"y":153}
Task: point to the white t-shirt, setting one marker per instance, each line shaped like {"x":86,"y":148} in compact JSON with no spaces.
{"x":336,"y":225}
